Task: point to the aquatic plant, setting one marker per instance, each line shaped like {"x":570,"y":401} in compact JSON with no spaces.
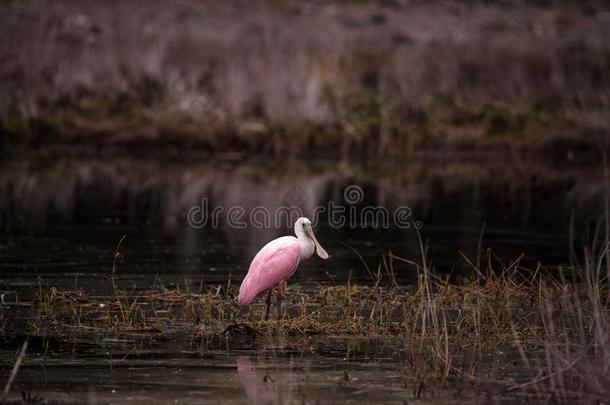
{"x":555,"y":322}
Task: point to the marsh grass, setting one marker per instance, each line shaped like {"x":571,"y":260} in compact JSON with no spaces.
{"x":536,"y":332}
{"x":532,"y":332}
{"x":359,"y":78}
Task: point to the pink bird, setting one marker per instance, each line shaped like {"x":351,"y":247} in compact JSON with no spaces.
{"x":276,"y":262}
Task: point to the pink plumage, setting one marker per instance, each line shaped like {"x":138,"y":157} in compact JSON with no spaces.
{"x":274,"y":263}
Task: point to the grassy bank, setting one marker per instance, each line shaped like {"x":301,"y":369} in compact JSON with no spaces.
{"x":350,"y":78}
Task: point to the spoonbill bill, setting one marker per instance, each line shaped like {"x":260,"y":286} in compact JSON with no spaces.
{"x":276,"y":262}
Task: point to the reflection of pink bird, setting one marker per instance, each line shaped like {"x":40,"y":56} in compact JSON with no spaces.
{"x":256,"y":386}
{"x":276,"y":262}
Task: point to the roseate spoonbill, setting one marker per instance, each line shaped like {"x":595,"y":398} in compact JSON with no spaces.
{"x":276,"y":262}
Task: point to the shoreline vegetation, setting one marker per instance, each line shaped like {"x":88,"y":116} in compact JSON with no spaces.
{"x":504,"y":329}
{"x":280,"y":78}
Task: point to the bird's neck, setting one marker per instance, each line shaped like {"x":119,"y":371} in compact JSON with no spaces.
{"x":306,"y":245}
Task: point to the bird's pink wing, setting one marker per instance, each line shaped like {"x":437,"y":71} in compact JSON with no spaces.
{"x":275,"y":262}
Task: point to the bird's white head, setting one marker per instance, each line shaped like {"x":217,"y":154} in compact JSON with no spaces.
{"x":307,"y":239}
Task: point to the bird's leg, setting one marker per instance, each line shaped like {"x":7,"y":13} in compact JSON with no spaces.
{"x":268,"y":304}
{"x":278,"y":300}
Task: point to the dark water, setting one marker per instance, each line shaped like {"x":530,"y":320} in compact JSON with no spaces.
{"x":61,"y":220}
{"x":178,"y":369}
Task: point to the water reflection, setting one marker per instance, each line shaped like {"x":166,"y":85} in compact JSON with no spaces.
{"x":82,"y":208}
{"x":259,"y":386}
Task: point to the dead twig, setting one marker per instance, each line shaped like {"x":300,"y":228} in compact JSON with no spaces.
{"x":11,"y":379}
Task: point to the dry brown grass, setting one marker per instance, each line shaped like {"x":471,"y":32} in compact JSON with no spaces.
{"x":377,"y":79}
{"x":556,"y":329}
